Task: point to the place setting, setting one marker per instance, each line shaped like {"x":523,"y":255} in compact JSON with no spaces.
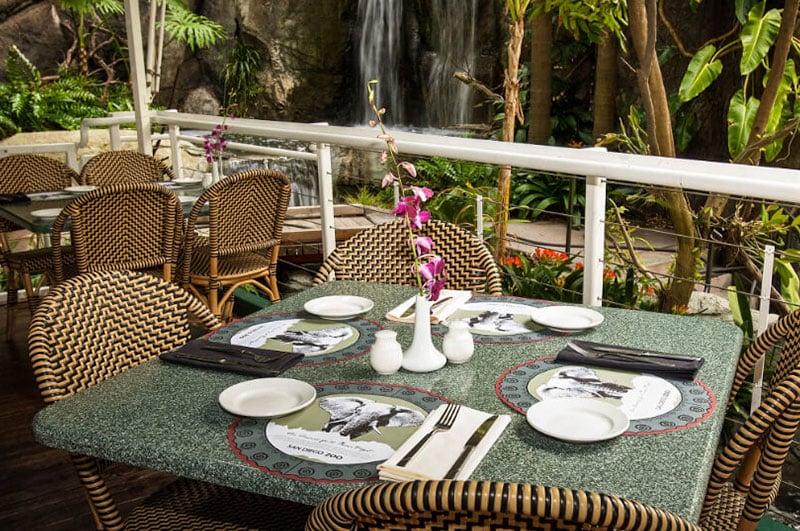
{"x":508,"y":319}
{"x":329,"y":330}
{"x":332,"y":432}
{"x":595,"y":389}
{"x":240,"y":359}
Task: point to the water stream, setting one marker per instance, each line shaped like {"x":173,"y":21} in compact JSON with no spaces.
{"x":451,"y":47}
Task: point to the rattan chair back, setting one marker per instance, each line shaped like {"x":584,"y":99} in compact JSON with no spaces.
{"x":486,"y":506}
{"x":382,"y":254}
{"x":757,"y":451}
{"x":96,"y":325}
{"x":134,"y":226}
{"x":32,"y":173}
{"x":246,"y":212}
{"x":117,"y":167}
{"x":28,"y":173}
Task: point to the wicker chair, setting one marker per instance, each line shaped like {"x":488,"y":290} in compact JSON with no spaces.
{"x":28,"y":173}
{"x":486,"y":506}
{"x":246,"y":212}
{"x":122,"y":226}
{"x":759,"y":447}
{"x":75,"y":343}
{"x":117,"y":167}
{"x":385,"y":249}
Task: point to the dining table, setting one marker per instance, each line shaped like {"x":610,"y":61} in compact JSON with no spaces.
{"x":38,"y":212}
{"x":166,"y":416}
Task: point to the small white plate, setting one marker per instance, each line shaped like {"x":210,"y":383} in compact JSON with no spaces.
{"x":578,"y":420}
{"x":187,"y":180}
{"x":80,"y":189}
{"x":566,"y":318}
{"x":338,"y":307}
{"x":46,"y":213}
{"x":267,"y":397}
{"x":187,"y":198}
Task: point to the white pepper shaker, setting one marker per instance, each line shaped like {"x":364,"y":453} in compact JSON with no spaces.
{"x":386,"y":354}
{"x":457,"y":344}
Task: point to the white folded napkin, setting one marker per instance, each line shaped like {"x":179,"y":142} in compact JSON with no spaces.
{"x":439,"y":313}
{"x":434,"y":460}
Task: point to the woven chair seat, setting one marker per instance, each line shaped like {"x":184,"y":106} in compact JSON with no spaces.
{"x":119,"y":167}
{"x":29,"y":174}
{"x":96,"y":325}
{"x":195,"y":505}
{"x":486,"y":506}
{"x":382,"y":254}
{"x":231,"y":267}
{"x":240,"y":245}
{"x":752,"y":460}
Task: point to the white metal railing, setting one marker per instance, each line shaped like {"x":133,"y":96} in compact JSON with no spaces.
{"x":774,"y":184}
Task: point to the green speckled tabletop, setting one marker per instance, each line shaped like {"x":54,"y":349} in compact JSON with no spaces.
{"x":167,"y":417}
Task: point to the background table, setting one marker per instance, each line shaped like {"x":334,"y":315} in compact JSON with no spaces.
{"x":167,"y":417}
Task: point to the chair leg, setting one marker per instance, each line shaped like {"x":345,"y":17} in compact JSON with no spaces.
{"x":11,"y":302}
{"x":104,"y":510}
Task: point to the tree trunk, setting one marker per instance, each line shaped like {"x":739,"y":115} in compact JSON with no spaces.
{"x":541,"y":93}
{"x":605,"y":87}
{"x":512,"y":110}
{"x":642,"y":19}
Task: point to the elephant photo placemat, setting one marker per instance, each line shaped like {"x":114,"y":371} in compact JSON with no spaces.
{"x":321,"y":341}
{"x":342,"y":436}
{"x":654,"y":404}
{"x":499,"y":320}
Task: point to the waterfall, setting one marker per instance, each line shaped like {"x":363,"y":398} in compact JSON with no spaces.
{"x":449,"y":101}
{"x":379,"y":52}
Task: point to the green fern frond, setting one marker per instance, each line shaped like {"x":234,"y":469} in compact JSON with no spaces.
{"x":87,"y":7}
{"x":196,"y":31}
{"x":19,"y":69}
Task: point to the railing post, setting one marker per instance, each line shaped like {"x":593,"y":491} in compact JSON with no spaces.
{"x":327,"y":221}
{"x":176,"y":156}
{"x":763,"y":318}
{"x":594,"y":241}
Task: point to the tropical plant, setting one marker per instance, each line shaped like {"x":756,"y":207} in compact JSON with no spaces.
{"x":241,"y":75}
{"x":29,"y":103}
{"x":534,"y":193}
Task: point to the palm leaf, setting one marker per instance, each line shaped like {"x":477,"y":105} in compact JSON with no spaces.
{"x":740,"y":121}
{"x":196,"y":31}
{"x":703,"y":69}
{"x":758,"y":36}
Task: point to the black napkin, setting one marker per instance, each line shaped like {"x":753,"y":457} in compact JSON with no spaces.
{"x":232,"y":358}
{"x":9,"y":199}
{"x":673,"y":366}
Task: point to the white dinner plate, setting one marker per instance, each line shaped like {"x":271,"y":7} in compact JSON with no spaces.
{"x":80,"y":189}
{"x":267,"y":397}
{"x":566,"y":318}
{"x":187,"y":198}
{"x":577,"y":419}
{"x":46,"y":213}
{"x":338,"y":307}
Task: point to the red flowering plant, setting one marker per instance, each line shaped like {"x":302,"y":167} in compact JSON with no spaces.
{"x":553,"y":275}
{"x":429,"y":268}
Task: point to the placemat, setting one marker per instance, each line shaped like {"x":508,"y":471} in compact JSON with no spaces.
{"x":322,"y":341}
{"x":654,"y":404}
{"x":500,"y":320}
{"x":340,"y":438}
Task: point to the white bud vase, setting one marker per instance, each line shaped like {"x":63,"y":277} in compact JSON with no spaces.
{"x":422,"y":355}
{"x":215,"y":172}
{"x":386,"y":354}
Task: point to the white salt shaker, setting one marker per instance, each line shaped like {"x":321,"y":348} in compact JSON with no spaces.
{"x":457,"y":344}
{"x":386,"y":354}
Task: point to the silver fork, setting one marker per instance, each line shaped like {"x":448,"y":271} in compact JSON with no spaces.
{"x":619,"y":355}
{"x":444,"y":423}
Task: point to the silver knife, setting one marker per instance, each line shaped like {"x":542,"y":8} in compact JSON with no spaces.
{"x":470,"y":445}
{"x":634,"y":351}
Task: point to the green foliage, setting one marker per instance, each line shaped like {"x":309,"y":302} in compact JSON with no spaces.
{"x":196,"y":31}
{"x":533,"y":193}
{"x":241,"y":75}
{"x":88,"y":7}
{"x":439,"y":173}
{"x":588,"y":19}
{"x":757,"y":37}
{"x":29,"y":104}
{"x":703,"y":69}
{"x":368,"y":196}
{"x":740,"y":120}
